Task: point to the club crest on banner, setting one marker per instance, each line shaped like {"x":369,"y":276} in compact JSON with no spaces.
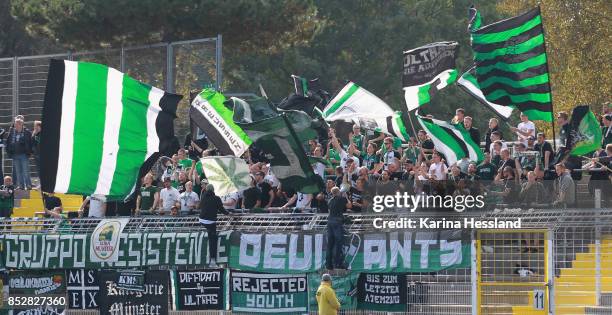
{"x":105,"y":240}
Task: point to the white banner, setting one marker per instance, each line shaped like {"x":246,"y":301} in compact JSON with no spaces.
{"x":104,"y":246}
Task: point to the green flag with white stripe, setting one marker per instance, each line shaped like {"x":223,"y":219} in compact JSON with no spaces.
{"x":102,"y":129}
{"x":451,"y":140}
{"x":356,"y":104}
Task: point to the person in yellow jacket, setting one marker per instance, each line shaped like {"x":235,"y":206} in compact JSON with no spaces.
{"x":326,"y":297}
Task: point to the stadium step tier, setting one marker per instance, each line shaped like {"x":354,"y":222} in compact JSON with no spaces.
{"x":576,"y":286}
{"x":29,"y":204}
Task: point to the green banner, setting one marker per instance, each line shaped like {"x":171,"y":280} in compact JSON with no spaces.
{"x":345,"y":287}
{"x":67,"y":251}
{"x":268,"y":293}
{"x":403,"y":251}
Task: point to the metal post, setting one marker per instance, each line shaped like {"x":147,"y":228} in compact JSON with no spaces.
{"x":550,"y":265}
{"x":218,"y":61}
{"x":474,"y":275}
{"x":15,"y":86}
{"x":597,"y":265}
{"x":122,"y":60}
{"x":169,"y":68}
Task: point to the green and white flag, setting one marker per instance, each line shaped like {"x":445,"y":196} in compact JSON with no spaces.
{"x":356,"y":104}
{"x":511,"y":63}
{"x":228,"y":174}
{"x":585,"y":132}
{"x":216,"y":121}
{"x":469,"y":83}
{"x":428,"y":69}
{"x":281,"y":146}
{"x":451,"y":140}
{"x":102,"y":128}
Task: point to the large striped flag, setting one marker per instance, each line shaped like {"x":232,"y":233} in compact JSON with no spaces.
{"x":469,"y":83}
{"x":428,"y":69}
{"x":102,"y":128}
{"x":451,"y":140}
{"x":210,"y":115}
{"x":354,"y":103}
{"x":511,"y":63}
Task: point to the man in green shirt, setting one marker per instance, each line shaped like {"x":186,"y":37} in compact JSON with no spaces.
{"x":184,"y":162}
{"x":7,"y":198}
{"x":358,"y":139}
{"x":412,"y":152}
{"x":486,"y":170}
{"x":148,"y":197}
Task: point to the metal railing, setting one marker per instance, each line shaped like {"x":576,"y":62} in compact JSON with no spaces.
{"x":561,"y":220}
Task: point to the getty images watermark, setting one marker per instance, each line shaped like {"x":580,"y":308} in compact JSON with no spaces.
{"x":457,"y":203}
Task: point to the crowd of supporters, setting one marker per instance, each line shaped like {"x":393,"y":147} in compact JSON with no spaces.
{"x":519,"y":169}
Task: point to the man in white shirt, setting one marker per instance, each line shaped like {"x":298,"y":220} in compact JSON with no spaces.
{"x":97,"y":207}
{"x":270,"y":177}
{"x":230,"y":200}
{"x":496,"y":135}
{"x":389,"y":155}
{"x":169,"y":197}
{"x":438,"y":169}
{"x":301,"y":201}
{"x":189,"y":199}
{"x":525,"y":129}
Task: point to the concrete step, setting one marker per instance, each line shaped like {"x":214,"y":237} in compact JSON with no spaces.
{"x":496,"y":310}
{"x":575,"y":298}
{"x":569,"y":310}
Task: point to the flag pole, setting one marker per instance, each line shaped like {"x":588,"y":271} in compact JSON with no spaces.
{"x":552,"y":108}
{"x":413,"y":130}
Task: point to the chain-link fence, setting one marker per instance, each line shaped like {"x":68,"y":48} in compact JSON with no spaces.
{"x":174,"y":67}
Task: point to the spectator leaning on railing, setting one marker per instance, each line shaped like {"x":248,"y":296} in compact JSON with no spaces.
{"x":97,"y":207}
{"x":53,"y":206}
{"x":148,"y":196}
{"x":189,"y":200}
{"x":168,"y":198}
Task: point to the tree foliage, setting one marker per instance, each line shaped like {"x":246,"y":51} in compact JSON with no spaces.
{"x":578,"y":36}
{"x":265,"y":41}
